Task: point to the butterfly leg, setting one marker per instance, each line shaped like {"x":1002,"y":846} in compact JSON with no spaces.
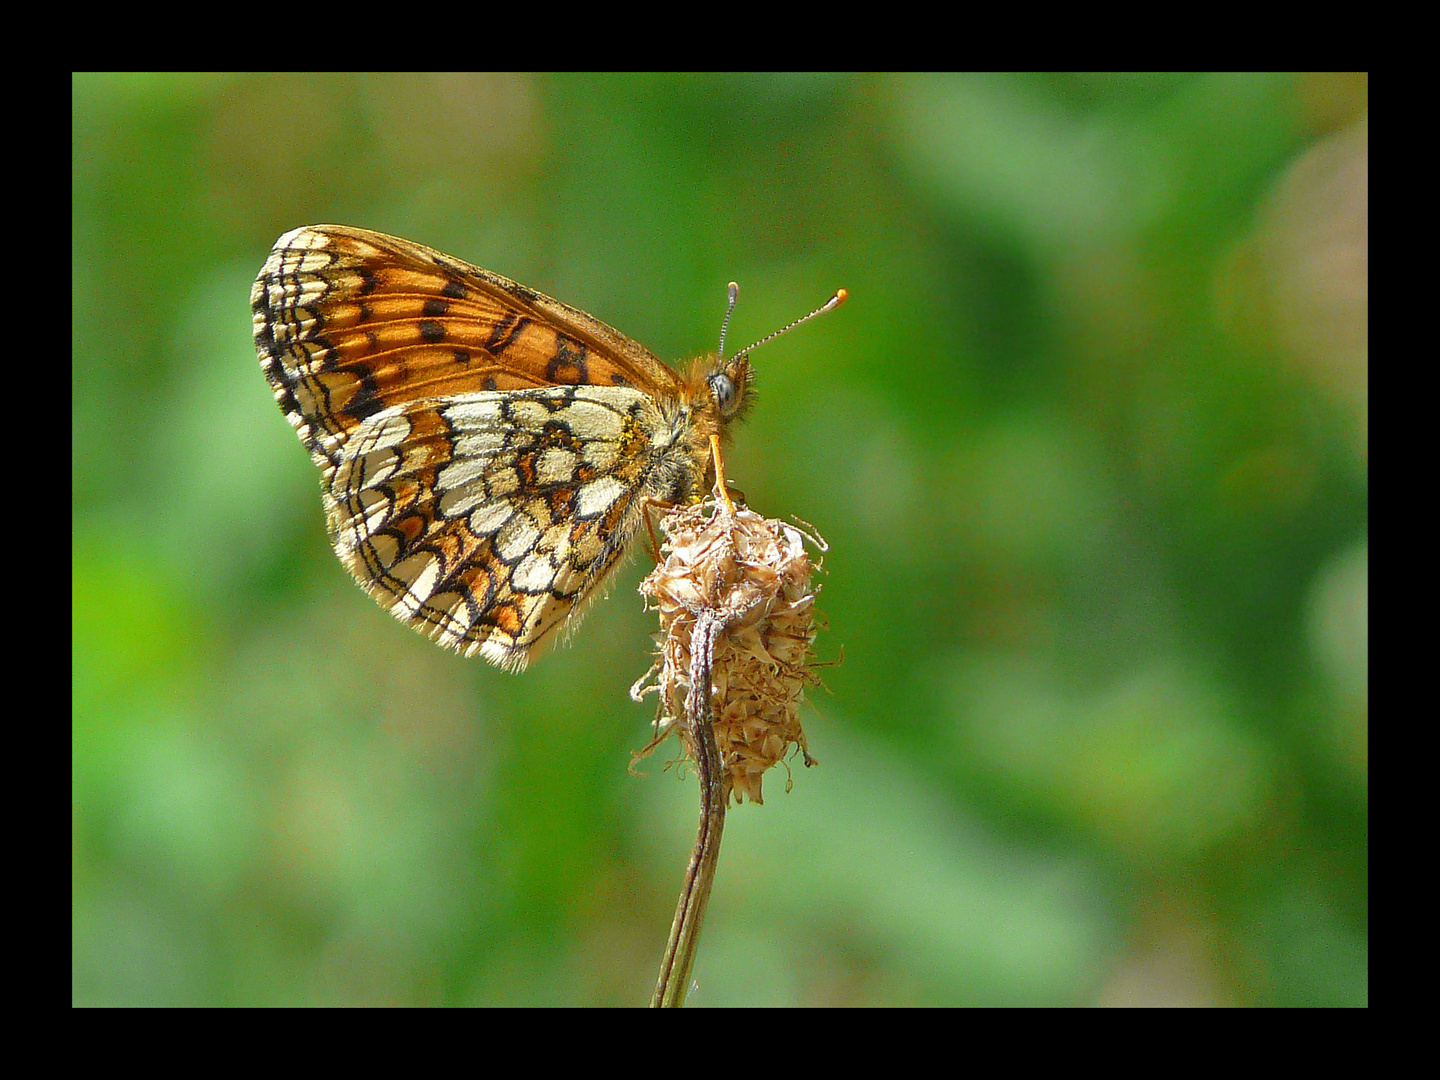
{"x":646,"y":504}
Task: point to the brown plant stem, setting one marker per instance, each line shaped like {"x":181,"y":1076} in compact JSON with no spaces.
{"x":680,"y":950}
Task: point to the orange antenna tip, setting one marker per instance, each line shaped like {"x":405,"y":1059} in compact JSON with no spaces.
{"x":841,"y":295}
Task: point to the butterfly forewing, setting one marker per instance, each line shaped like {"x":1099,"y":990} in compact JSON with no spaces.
{"x":349,"y":320}
{"x":484,"y":449}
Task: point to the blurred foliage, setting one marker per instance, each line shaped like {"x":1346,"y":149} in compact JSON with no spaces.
{"x":1089,"y":444}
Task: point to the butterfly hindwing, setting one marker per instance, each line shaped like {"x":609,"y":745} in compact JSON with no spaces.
{"x":484,"y":519}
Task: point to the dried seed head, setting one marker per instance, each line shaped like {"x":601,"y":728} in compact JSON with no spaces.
{"x":752,"y":577}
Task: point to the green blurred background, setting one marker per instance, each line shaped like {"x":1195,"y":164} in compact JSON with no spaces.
{"x":1088,"y":443}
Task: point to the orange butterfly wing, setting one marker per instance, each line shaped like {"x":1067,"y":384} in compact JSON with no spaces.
{"x":349,"y":321}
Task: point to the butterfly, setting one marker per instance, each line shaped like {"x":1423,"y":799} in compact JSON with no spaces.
{"x":487,"y":454}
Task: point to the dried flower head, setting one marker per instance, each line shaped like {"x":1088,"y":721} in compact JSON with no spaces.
{"x":742,"y":582}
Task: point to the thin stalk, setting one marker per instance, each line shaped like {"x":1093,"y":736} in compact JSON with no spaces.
{"x":679,"y":960}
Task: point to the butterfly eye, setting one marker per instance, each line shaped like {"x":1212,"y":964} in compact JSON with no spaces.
{"x":723,"y":389}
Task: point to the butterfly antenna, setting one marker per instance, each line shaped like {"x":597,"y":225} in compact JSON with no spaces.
{"x":734,"y":291}
{"x":829,"y":305}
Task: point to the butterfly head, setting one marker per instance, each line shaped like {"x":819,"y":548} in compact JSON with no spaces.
{"x":729,"y":384}
{"x":729,"y":380}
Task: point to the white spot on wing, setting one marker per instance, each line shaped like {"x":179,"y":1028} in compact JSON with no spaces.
{"x":597,"y":496}
{"x":489,"y":517}
{"x":376,"y":507}
{"x":380,"y":432}
{"x":591,"y":421}
{"x":419,"y":573}
{"x":460,"y":502}
{"x":374,"y":468}
{"x":471,"y":413}
{"x":518,"y":537}
{"x":479,"y":443}
{"x":534,"y":574}
{"x":461,"y":471}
